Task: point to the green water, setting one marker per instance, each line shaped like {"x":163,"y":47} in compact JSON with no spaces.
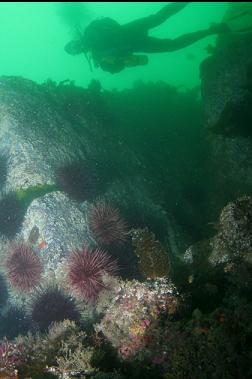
{"x":33,"y":36}
{"x":125,"y":199}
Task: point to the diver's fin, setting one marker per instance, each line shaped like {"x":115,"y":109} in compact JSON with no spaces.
{"x":241,"y":14}
{"x":244,"y":30}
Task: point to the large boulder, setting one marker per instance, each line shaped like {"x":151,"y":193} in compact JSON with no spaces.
{"x":43,"y":128}
{"x":226,"y":91}
{"x":34,"y":136}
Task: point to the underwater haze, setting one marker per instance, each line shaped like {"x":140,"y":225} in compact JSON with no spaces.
{"x":126,"y":190}
{"x":33,"y":36}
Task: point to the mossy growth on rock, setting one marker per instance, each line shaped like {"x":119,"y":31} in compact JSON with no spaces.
{"x":26,"y":196}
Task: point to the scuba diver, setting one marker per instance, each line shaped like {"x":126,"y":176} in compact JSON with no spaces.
{"x":113,"y":47}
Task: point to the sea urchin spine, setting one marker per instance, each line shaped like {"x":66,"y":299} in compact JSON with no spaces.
{"x":107,"y":224}
{"x":23,"y":267}
{"x":86,"y":269}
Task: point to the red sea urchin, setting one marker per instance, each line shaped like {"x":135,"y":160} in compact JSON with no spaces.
{"x":86,"y":269}
{"x":23,"y":267}
{"x":107,"y":225}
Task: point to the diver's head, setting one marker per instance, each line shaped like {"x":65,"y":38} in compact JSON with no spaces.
{"x":75,"y":47}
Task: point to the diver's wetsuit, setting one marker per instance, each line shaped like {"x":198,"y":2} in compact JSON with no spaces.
{"x":137,"y":32}
{"x":133,"y":37}
{"x":110,"y":43}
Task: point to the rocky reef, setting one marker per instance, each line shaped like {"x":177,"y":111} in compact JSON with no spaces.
{"x":109,"y":271}
{"x":226,"y":92}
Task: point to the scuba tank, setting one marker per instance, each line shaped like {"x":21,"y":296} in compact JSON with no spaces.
{"x":100,"y":34}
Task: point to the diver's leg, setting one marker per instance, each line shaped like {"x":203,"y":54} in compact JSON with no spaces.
{"x":149,"y":22}
{"x":158,"y":45}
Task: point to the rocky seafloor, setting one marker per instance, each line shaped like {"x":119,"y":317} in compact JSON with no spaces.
{"x":125,"y":251}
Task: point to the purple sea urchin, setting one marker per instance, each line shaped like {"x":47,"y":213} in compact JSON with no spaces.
{"x":53,"y":305}
{"x":3,"y":291}
{"x":11,"y":214}
{"x":78,"y":180}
